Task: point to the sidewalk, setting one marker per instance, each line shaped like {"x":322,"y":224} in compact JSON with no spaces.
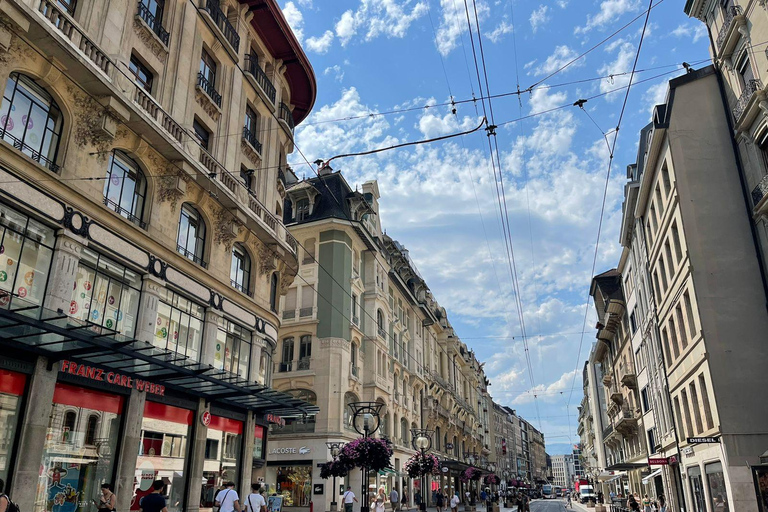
{"x":462,"y":508}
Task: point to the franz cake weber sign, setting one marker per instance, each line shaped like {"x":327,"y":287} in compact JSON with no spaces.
{"x":118,"y":379}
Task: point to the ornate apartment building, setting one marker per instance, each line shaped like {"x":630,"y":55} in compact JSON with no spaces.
{"x":360,"y":323}
{"x":143,"y":248}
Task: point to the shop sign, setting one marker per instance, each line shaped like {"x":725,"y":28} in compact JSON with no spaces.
{"x":99,"y":375}
{"x":445,"y":469}
{"x":673,"y":460}
{"x":205,"y":418}
{"x":449,"y":446}
{"x":688,"y":451}
{"x":503,"y":446}
{"x":290,"y":451}
{"x":274,"y":418}
{"x":318,"y":489}
{"x":698,"y":440}
{"x":658,"y":461}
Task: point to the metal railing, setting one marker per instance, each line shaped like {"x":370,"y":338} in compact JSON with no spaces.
{"x":730,"y":13}
{"x":760,"y":190}
{"x":124,"y":213}
{"x":356,"y":371}
{"x":250,"y":137}
{"x":305,"y":312}
{"x":221,"y":21}
{"x":208,"y":88}
{"x":286,"y":115}
{"x":289,"y":314}
{"x":29,"y":150}
{"x":258,"y":74}
{"x":190,"y":255}
{"x":242,"y":287}
{"x":68,"y":28}
{"x":750,"y":88}
{"x":381,"y":332}
{"x":154,"y":23}
{"x":285,"y":367}
{"x":355,"y":319}
{"x":303,"y":364}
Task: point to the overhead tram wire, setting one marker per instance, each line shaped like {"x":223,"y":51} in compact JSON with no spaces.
{"x":605,"y":195}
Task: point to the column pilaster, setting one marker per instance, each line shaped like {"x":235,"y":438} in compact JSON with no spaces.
{"x":208,"y":350}
{"x":66,"y":258}
{"x":151,"y":292}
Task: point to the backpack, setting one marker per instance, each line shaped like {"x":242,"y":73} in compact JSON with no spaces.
{"x":12,"y":507}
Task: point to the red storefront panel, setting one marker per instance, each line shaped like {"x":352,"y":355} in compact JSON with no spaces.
{"x":12,"y":383}
{"x":226,"y":425}
{"x":157,"y":411}
{"x":87,"y":398}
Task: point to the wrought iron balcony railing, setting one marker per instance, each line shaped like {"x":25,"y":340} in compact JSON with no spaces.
{"x":252,"y":67}
{"x":124,"y":213}
{"x":730,"y":13}
{"x":154,"y":23}
{"x":286,"y":115}
{"x":208,"y":87}
{"x":760,"y":190}
{"x":191,"y":255}
{"x":750,"y":88}
{"x":221,"y":21}
{"x":250,"y":136}
{"x":303,"y":363}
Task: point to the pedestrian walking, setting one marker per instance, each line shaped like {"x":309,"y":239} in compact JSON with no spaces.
{"x":646,"y":504}
{"x":404,"y":500}
{"x":6,"y":505}
{"x":394,"y":499}
{"x":348,"y":499}
{"x":255,"y":502}
{"x":227,"y":499}
{"x":439,"y":501}
{"x":417,"y":498}
{"x":154,"y":501}
{"x":662,"y":503}
{"x":107,"y":500}
{"x":378,"y":505}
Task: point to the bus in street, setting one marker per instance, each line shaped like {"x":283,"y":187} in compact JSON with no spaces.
{"x":547,"y":491}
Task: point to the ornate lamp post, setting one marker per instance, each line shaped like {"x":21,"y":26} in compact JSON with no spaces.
{"x":421,"y":440}
{"x":365,"y":420}
{"x":472,"y":458}
{"x":335,"y":448}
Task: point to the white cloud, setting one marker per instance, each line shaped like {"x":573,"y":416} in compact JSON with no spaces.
{"x":621,"y":64}
{"x":320,"y":44}
{"x":503,"y":28}
{"x":295,"y":20}
{"x":374,"y":18}
{"x":539,"y":17}
{"x":655,"y":94}
{"x":453,"y":24}
{"x":338,"y":73}
{"x":696,"y":31}
{"x":610,"y":10}
{"x":551,"y":392}
{"x":562,"y":55}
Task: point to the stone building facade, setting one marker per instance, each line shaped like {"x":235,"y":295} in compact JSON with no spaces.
{"x":144,"y":253}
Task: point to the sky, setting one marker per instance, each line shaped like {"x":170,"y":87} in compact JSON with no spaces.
{"x":439,"y":199}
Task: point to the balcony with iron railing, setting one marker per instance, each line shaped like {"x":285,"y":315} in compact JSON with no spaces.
{"x":222,"y":23}
{"x":154,"y":24}
{"x":627,"y":376}
{"x":286,"y":116}
{"x":289,"y":314}
{"x":115,"y":207}
{"x":191,"y":256}
{"x":733,"y":15}
{"x":355,"y":371}
{"x":382,"y":333}
{"x":208,"y":88}
{"x":760,"y":191}
{"x":250,"y":137}
{"x":254,"y":72}
{"x":751,"y":87}
{"x":303,"y":364}
{"x":306,"y":312}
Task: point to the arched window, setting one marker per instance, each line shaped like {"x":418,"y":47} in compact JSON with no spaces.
{"x":126,"y":188}
{"x":191,"y":241}
{"x":30,"y":120}
{"x":404,"y":433}
{"x":240,"y":270}
{"x":273,"y":292}
{"x":286,"y":362}
{"x":380,"y":321}
{"x":90,"y":430}
{"x":349,"y":398}
{"x":68,"y":427}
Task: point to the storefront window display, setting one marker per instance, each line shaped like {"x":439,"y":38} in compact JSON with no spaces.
{"x":233,"y":348}
{"x":26,"y":250}
{"x":105,"y":293}
{"x":179,"y":325}
{"x":223,"y":455}
{"x":697,"y":489}
{"x":76,"y":463}
{"x":258,"y":443}
{"x":165,"y":431}
{"x":294,"y":484}
{"x":12,"y":386}
{"x":718,"y":494}
{"x":265,"y":366}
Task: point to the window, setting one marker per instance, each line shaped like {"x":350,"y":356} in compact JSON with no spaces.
{"x":208,"y":69}
{"x":90,"y":430}
{"x":745,"y":74}
{"x":30,"y":120}
{"x":665,"y":178}
{"x":686,"y":413}
{"x":349,"y":398}
{"x":673,"y":337}
{"x":676,"y":243}
{"x":651,"y":440}
{"x":233,"y":349}
{"x":211,"y":449}
{"x":718,"y":494}
{"x":632,"y":322}
{"x":273,"y":292}
{"x":697,"y":489}
{"x":353,"y":355}
{"x":380,"y":322}
{"x":27,"y":251}
{"x":265,"y":367}
{"x":179,"y":325}
{"x":125,"y":189}
{"x":679,"y":418}
{"x":689,"y":314}
{"x":659,"y":201}
{"x":696,"y":407}
{"x":286,"y":362}
{"x":240,"y":270}
{"x":191,"y":240}
{"x":201,"y":134}
{"x":355,"y":319}
{"x":68,"y":427}
{"x":246,"y":178}
{"x":142,"y":76}
{"x":155,"y":8}
{"x":681,"y":325}
{"x":705,"y":402}
{"x":68,"y":6}
{"x":251,"y":128}
{"x":105,"y":293}
{"x":305,"y":350}
{"x":670,"y":261}
{"x":302,"y":210}
{"x":644,"y":399}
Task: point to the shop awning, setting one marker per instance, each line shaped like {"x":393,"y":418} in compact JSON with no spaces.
{"x":606,"y":476}
{"x":614,"y":478}
{"x":652,"y":475}
{"x":627,"y":466}
{"x":388,"y":471}
{"x":56,"y":336}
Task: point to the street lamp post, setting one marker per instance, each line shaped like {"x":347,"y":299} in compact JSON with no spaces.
{"x":471,"y":458}
{"x":365,"y":420}
{"x":421,"y":440}
{"x":505,"y":474}
{"x":335,"y":448}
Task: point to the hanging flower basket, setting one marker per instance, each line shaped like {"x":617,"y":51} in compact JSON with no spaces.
{"x":471,"y":473}
{"x":366,"y":452}
{"x":333,"y":468}
{"x":417,"y":465}
{"x":491,"y":479}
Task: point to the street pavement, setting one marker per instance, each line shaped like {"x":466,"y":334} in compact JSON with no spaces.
{"x":540,"y":505}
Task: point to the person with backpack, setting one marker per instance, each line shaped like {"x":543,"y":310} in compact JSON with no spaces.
{"x":6,"y":505}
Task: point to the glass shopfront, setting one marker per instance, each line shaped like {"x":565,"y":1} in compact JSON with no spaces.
{"x":718,"y":494}
{"x":12,"y":386}
{"x":80,"y":448}
{"x":223,"y":455}
{"x":163,"y":452}
{"x":179,"y":325}
{"x":697,"y":489}
{"x":105,"y":293}
{"x":26,"y":251}
{"x":233,"y":348}
{"x":258,"y":443}
{"x":293,"y":483}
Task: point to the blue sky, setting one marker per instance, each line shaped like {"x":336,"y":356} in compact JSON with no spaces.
{"x":439,"y":200}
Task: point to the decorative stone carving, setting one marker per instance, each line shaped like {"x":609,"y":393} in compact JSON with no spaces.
{"x":266,"y":259}
{"x":226,"y":228}
{"x":149,"y":39}
{"x":171,"y":181}
{"x":208,"y":106}
{"x":334,"y":343}
{"x":250,"y":153}
{"x":90,"y":122}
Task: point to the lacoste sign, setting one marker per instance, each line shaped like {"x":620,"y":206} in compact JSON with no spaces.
{"x":290,"y":451}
